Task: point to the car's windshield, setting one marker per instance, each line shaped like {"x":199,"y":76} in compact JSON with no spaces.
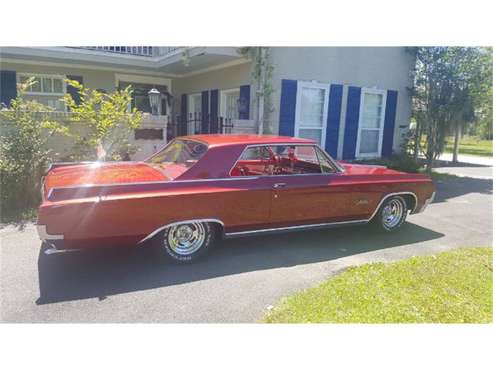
{"x":178,"y":156}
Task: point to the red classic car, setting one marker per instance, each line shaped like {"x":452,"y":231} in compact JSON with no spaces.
{"x":202,"y":187}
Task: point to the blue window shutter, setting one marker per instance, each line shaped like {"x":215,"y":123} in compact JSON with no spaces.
{"x":287,"y":111}
{"x":352,"y":121}
{"x":333,"y":120}
{"x":244,"y":106}
{"x":8,"y":87}
{"x":205,"y":111}
{"x":182,"y":129}
{"x":72,"y":90}
{"x":389,"y":123}
{"x":214,"y":111}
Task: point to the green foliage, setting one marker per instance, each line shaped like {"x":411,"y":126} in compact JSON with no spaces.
{"x":451,"y":287}
{"x":450,"y":85}
{"x":485,"y":116}
{"x":471,"y":145}
{"x":398,"y":162}
{"x":106,"y":120}
{"x":262,"y":70}
{"x":25,"y":129}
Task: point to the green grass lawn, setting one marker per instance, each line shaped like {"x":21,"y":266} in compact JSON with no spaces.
{"x":471,"y":145}
{"x":450,"y":287}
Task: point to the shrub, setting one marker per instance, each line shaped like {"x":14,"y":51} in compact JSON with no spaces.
{"x":399,"y":162}
{"x":25,"y":129}
{"x":106,"y":120}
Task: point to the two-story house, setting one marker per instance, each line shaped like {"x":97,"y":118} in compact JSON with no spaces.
{"x":354,"y":101}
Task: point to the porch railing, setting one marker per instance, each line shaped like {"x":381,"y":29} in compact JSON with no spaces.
{"x":198,"y":123}
{"x":147,"y":51}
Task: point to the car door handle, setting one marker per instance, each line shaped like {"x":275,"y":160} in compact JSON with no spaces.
{"x":279,"y":185}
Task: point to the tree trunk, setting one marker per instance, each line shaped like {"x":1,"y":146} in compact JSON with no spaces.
{"x":260,"y":93}
{"x":455,"y":157}
{"x":417,"y":138}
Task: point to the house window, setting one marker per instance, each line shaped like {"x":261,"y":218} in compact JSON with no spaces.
{"x":140,"y":95}
{"x":230,"y":104}
{"x":47,"y":89}
{"x":371,"y":121}
{"x":311,"y":111}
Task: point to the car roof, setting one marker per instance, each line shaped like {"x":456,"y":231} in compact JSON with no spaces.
{"x":224,"y":140}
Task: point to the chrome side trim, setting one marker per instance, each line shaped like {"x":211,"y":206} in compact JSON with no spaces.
{"x":45,"y":236}
{"x":159,"y":229}
{"x":322,"y":225}
{"x":292,"y":228}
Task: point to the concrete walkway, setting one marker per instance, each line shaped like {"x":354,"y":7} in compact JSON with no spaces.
{"x":469,"y":166}
{"x":471,"y":159}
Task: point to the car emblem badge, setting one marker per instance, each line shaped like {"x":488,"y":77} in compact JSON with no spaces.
{"x":361,"y":202}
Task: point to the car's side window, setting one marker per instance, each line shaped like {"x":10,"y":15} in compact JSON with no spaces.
{"x":282,"y":160}
{"x":295,"y":159}
{"x":255,"y":161}
{"x":325,"y":164}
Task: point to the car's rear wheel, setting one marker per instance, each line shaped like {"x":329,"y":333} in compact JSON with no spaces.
{"x":187,"y":242}
{"x":391,"y":215}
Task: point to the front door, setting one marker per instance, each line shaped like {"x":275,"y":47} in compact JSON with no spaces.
{"x":301,"y":192}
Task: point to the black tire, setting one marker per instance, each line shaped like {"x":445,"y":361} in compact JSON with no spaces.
{"x":172,"y":248}
{"x":387,"y":223}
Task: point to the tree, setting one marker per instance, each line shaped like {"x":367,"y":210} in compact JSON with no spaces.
{"x":262,"y":81}
{"x":106,"y":121}
{"x":449,"y":84}
{"x":25,"y":130}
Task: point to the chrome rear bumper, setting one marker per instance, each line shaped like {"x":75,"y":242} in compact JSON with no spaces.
{"x":52,"y":240}
{"x":45,"y":236}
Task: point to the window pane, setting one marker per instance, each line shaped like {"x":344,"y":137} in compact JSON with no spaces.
{"x":370,"y":121}
{"x":312,"y":133}
{"x":37,"y":85}
{"x":47,"y":86}
{"x":373,"y":100}
{"x":256,"y":161}
{"x":57,"y":85}
{"x":259,"y":152}
{"x":312,"y":107}
{"x":295,"y":160}
{"x":372,"y":110}
{"x":326,"y":166}
{"x":232,"y":99}
{"x":369,"y":141}
{"x":306,"y":153}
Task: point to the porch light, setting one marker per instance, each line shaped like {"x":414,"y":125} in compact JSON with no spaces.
{"x":155,"y":101}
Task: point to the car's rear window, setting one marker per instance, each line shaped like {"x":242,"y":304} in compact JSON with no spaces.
{"x":178,"y":156}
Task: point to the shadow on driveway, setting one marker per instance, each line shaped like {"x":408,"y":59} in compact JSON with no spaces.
{"x":454,"y":186}
{"x":98,"y":274}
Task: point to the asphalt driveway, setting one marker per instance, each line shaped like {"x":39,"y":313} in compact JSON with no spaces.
{"x":241,"y":277}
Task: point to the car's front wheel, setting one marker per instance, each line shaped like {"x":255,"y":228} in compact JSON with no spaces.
{"x":391,"y":215}
{"x":187,"y":242}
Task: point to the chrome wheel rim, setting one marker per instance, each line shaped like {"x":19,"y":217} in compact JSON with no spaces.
{"x":392,"y":213}
{"x":186,"y":239}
